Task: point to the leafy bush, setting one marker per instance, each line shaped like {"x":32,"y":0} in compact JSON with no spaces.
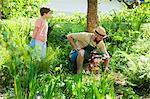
{"x":20,"y":8}
{"x":124,"y":27}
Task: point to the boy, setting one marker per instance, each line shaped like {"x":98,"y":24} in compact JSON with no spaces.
{"x":40,"y":31}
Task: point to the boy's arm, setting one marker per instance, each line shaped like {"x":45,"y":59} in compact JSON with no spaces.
{"x":38,"y":24}
{"x":35,"y":31}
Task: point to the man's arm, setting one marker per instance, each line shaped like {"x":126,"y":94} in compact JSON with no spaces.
{"x":107,"y":54}
{"x":71,"y":40}
{"x":104,"y":50}
{"x":102,"y":47}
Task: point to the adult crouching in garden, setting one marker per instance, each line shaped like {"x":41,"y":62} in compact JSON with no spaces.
{"x":86,"y":43}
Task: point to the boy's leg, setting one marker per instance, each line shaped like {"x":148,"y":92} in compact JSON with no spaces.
{"x":80,"y":59}
{"x":38,"y":48}
{"x":43,"y":54}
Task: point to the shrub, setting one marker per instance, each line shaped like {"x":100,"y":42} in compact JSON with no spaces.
{"x":20,"y":8}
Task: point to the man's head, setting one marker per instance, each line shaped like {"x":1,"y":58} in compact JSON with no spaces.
{"x":45,"y":12}
{"x":100,"y":34}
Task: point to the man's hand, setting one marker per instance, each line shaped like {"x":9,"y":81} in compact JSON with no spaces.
{"x":107,"y":69}
{"x":78,"y":49}
{"x":108,"y":57}
{"x":81,"y":52}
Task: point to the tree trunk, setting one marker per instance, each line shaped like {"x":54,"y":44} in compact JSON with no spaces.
{"x":0,"y":9}
{"x":0,"y":15}
{"x":1,"y":6}
{"x":92,"y":17}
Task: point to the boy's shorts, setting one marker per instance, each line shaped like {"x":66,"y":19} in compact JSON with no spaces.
{"x":40,"y":48}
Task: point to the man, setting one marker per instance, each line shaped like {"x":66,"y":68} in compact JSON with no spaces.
{"x":87,"y":42}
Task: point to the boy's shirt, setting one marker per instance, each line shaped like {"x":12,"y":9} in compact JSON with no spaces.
{"x":42,"y":26}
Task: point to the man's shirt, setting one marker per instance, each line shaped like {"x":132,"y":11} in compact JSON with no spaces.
{"x":85,"y":38}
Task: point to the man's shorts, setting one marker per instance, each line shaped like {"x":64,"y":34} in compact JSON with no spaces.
{"x":73,"y":56}
{"x":87,"y":56}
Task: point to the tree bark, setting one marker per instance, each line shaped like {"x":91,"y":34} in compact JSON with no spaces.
{"x":92,"y":17}
{"x":0,"y":15}
{"x":0,"y":9}
{"x":1,"y":6}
